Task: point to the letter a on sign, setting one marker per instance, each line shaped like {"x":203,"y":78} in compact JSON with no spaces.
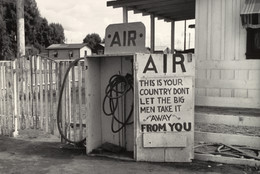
{"x":125,"y":38}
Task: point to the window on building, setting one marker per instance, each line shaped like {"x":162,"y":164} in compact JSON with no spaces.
{"x":86,"y":52}
{"x":250,"y":17}
{"x":71,"y":54}
{"x":55,"y":54}
{"x":253,"y":43}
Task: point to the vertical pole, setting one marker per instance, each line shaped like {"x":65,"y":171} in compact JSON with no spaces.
{"x":125,"y":15}
{"x":172,"y":36}
{"x":185,"y":35}
{"x":152,"y":33}
{"x":20,"y":44}
{"x":20,"y":28}
{"x":189,"y":40}
{"x":15,"y":81}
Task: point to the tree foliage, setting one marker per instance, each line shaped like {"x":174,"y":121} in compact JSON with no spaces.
{"x":92,"y":40}
{"x":38,"y":33}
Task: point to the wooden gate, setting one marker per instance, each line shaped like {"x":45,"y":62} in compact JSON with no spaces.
{"x":29,"y":91}
{"x":6,"y":97}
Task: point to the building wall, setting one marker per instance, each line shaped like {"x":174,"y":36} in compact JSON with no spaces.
{"x":224,"y":77}
{"x":64,"y":54}
{"x":82,"y":51}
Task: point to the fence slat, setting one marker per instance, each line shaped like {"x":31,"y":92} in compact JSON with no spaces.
{"x":68,"y":102}
{"x":27,"y":94}
{"x":36,"y":91}
{"x":74,"y":114}
{"x":63,"y":105}
{"x":31,"y":118}
{"x":11,"y":98}
{"x":1,"y":114}
{"x":80,"y":99}
{"x":57,"y":87}
{"x":51,"y":98}
{"x":41,"y":93}
{"x":8,"y":108}
{"x":21,"y":96}
{"x":4,"y":108}
{"x":18,"y":116}
{"x":46,"y":118}
{"x":1,"y":99}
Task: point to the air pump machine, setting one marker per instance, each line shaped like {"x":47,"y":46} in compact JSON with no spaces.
{"x":140,"y":101}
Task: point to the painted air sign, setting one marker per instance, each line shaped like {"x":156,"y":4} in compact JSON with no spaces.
{"x":165,"y":94}
{"x":125,"y":38}
{"x":164,"y":107}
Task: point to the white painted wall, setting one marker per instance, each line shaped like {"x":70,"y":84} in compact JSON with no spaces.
{"x":223,"y":75}
{"x":64,"y":54}
{"x":83,"y":49}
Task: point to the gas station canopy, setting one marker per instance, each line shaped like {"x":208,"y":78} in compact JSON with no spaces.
{"x":168,"y":10}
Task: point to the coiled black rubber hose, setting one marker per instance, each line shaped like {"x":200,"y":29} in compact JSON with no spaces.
{"x":113,"y":94}
{"x":115,"y":82}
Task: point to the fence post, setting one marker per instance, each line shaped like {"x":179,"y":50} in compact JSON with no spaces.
{"x":15,"y":133}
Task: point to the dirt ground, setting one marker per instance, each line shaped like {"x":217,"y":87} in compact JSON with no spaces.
{"x":34,"y":152}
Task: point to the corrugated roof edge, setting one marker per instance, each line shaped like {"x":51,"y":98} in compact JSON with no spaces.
{"x":65,"y":46}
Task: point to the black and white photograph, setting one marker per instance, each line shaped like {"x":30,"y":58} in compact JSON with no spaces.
{"x":130,"y":87}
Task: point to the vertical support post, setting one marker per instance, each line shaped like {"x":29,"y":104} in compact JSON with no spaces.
{"x":172,"y":36}
{"x":152,"y":33}
{"x":20,"y":28}
{"x":185,"y":35}
{"x":125,"y":15}
{"x":15,"y":133}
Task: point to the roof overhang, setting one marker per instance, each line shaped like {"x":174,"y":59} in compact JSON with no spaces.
{"x":169,"y":10}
